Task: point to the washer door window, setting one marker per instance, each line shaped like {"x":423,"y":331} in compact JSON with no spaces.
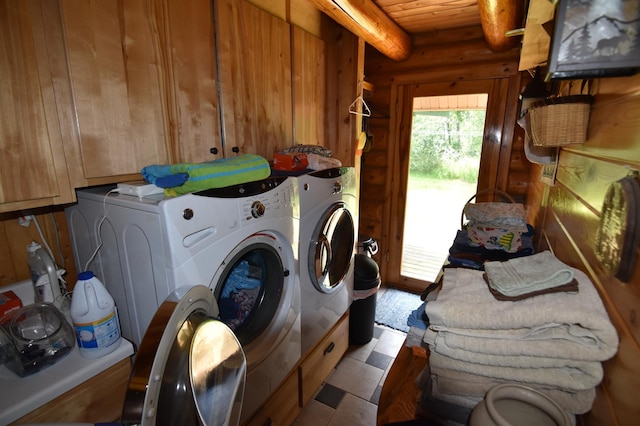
{"x":331,"y":250}
{"x":254,"y":289}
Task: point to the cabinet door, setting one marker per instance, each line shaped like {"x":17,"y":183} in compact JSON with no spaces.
{"x":116,"y":71}
{"x":32,"y":166}
{"x":254,"y":52}
{"x":190,"y":49}
{"x":309,"y":82}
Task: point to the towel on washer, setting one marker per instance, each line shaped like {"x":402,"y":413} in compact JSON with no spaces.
{"x":184,"y":178}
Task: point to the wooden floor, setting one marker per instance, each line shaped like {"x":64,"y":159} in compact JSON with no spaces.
{"x":421,"y":263}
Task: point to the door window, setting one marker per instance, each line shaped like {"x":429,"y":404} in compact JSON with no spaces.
{"x":251,"y":290}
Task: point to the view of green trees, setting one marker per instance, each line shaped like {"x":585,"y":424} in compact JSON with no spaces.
{"x":446,"y":144}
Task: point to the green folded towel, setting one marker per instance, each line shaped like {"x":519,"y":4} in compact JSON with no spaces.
{"x":526,"y":274}
{"x":184,"y":178}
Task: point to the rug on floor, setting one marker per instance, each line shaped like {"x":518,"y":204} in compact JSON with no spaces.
{"x":394,"y":306}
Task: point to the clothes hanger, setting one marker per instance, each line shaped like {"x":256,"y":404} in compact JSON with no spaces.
{"x":353,"y":108}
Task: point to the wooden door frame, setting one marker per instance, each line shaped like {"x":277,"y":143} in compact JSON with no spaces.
{"x":494,"y":162}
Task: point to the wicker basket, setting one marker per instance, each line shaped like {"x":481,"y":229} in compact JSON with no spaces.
{"x":559,"y":121}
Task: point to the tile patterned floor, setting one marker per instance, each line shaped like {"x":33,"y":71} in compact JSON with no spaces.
{"x":350,"y":394}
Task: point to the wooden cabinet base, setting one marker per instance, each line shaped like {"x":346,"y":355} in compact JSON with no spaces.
{"x":399,"y":396}
{"x":98,"y":400}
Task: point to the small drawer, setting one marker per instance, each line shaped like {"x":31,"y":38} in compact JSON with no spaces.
{"x":282,"y":407}
{"x":316,"y":367}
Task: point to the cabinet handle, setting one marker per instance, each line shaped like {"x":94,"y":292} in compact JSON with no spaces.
{"x":329,"y":348}
{"x":235,"y":149}
{"x":213,"y":150}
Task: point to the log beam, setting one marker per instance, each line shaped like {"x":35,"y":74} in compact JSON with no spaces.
{"x":366,"y":20}
{"x":497,"y":17}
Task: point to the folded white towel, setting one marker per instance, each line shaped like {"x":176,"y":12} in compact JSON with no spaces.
{"x":465,"y":306}
{"x":561,"y":378}
{"x":467,"y":386}
{"x":526,"y":274}
{"x":555,"y":341}
{"x":591,"y":369}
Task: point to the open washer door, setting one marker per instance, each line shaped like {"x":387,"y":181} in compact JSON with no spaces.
{"x":190,"y":368}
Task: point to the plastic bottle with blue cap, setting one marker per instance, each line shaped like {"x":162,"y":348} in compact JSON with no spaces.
{"x":95,"y":317}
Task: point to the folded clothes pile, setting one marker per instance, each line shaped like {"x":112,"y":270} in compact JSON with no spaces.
{"x":302,"y":158}
{"x":494,"y":231}
{"x":553,"y":342}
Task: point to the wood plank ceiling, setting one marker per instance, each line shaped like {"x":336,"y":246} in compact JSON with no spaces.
{"x":388,"y":25}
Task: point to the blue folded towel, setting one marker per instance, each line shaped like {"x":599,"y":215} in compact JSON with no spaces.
{"x":184,"y":178}
{"x":418,"y":318}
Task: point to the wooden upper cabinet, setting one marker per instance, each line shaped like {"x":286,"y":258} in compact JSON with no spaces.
{"x":309,"y":82}
{"x":254,"y":50}
{"x":115,"y":68}
{"x":32,"y":164}
{"x":193,"y":105}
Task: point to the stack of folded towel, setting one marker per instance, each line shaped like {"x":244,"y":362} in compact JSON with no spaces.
{"x":548,"y":339}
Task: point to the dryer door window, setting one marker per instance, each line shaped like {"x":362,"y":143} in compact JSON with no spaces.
{"x":250,"y":290}
{"x":331,"y":253}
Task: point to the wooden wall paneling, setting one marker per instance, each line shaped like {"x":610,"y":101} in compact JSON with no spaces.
{"x":444,"y":73}
{"x":277,"y":8}
{"x":304,"y":14}
{"x":581,"y":224}
{"x":309,"y":88}
{"x":113,"y":64}
{"x":8,"y":272}
{"x":612,"y":120}
{"x":505,"y":176}
{"x":536,"y":200}
{"x":342,"y":85}
{"x":439,"y":52}
{"x":589,"y":177}
{"x":254,"y":50}
{"x":190,"y":88}
{"x":490,"y":166}
{"x":399,"y":146}
{"x":15,"y":238}
{"x":621,"y":373}
{"x":33,"y":168}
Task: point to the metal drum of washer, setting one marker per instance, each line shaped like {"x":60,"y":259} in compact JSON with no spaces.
{"x":190,"y":368}
{"x":328,"y":223}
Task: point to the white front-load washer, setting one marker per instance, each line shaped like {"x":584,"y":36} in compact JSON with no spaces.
{"x":328,"y":225}
{"x":240,"y":241}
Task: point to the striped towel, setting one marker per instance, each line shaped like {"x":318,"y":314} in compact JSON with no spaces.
{"x":184,"y":178}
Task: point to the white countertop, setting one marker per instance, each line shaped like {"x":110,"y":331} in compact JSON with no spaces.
{"x":21,"y":395}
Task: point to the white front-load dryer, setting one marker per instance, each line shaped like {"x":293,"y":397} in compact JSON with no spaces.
{"x":328,"y":225}
{"x":240,"y":241}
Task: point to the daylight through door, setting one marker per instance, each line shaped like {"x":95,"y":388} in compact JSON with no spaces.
{"x":444,"y":159}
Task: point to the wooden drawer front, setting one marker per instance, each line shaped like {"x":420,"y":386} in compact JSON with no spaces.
{"x":318,"y":365}
{"x":282,"y":408}
{"x":98,"y":400}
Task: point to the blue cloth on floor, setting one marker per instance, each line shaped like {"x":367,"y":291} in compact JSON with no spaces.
{"x":418,"y":318}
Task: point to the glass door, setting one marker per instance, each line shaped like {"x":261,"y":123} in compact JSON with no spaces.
{"x":425,"y":211}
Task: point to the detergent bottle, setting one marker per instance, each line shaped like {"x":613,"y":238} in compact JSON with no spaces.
{"x":95,"y":317}
{"x":44,"y":275}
